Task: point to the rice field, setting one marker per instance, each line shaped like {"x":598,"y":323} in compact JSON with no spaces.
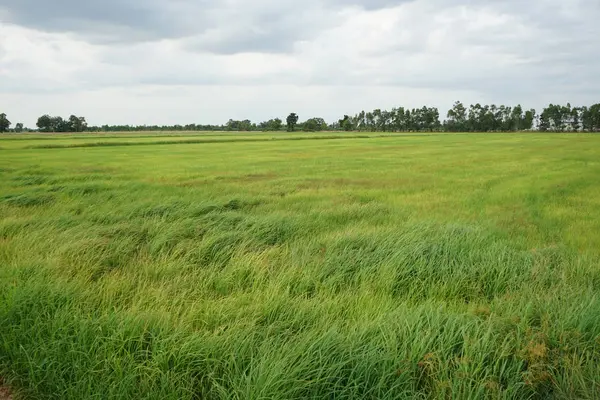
{"x":300,"y":266}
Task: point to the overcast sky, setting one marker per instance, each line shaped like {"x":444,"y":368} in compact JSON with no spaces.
{"x":205,"y":61}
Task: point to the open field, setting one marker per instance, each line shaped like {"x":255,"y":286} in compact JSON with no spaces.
{"x":459,"y":266}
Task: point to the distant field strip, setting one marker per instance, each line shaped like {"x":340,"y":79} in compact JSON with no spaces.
{"x":64,"y":141}
{"x":191,"y":141}
{"x":91,"y":141}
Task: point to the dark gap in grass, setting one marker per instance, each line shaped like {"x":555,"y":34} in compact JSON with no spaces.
{"x":199,"y":141}
{"x":30,"y":180}
{"x":29,"y":200}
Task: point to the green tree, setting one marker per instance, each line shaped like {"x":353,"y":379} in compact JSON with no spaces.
{"x":4,"y":123}
{"x":408,"y":120}
{"x":44,"y":123}
{"x":314,"y":125}
{"x":576,"y":119}
{"x":271,"y":125}
{"x":543,"y":122}
{"x":386,"y":120}
{"x":476,"y":118}
{"x":555,"y":118}
{"x":346,"y":123}
{"x":78,"y":124}
{"x":291,"y":121}
{"x":246,"y":125}
{"x":377,"y":119}
{"x":516,"y":118}
{"x":276,"y":124}
{"x":370,"y":121}
{"x":528,"y":119}
{"x":417,"y":120}
{"x":590,"y":118}
{"x":234,"y":125}
{"x":506,"y":122}
{"x":495,"y":118}
{"x":19,"y":127}
{"x":60,"y":125}
{"x":361,"y":123}
{"x":430,"y":117}
{"x":457,"y":118}
{"x":398,"y":119}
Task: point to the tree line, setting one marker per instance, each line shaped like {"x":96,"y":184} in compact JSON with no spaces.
{"x":46,"y":123}
{"x":475,"y":118}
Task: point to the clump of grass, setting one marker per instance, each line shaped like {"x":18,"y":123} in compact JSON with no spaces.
{"x":29,"y":199}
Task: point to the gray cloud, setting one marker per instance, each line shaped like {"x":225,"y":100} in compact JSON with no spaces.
{"x":502,"y":51}
{"x":96,"y":18}
{"x":262,"y":25}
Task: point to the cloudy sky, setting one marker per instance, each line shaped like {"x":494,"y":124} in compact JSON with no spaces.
{"x":205,"y":61}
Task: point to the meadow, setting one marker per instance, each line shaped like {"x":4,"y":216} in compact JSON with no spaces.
{"x":303,"y":266}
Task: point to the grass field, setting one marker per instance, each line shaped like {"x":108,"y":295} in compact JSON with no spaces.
{"x":402,"y":267}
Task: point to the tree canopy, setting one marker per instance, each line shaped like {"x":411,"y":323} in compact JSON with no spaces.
{"x":291,"y":121}
{"x":46,"y":123}
{"x":4,"y":123}
{"x":460,"y":118}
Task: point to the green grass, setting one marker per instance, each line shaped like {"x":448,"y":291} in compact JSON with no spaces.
{"x":402,"y":267}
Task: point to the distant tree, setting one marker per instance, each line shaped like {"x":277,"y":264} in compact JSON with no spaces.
{"x":576,"y":119}
{"x":528,"y":119}
{"x":78,"y":124}
{"x":516,"y":118}
{"x":397,"y":119}
{"x":82,"y":124}
{"x":594,"y":112}
{"x":590,"y":118}
{"x":4,"y":123}
{"x":505,"y":118}
{"x":346,"y":123}
{"x":309,"y":125}
{"x":44,"y":123}
{"x":19,"y":127}
{"x":377,"y":119}
{"x":408,"y":120}
{"x":276,"y":124}
{"x":60,"y":125}
{"x":271,"y":125}
{"x":430,"y":119}
{"x":555,"y":118}
{"x":457,"y":118}
{"x":386,"y":120}
{"x":544,"y":122}
{"x":476,"y":118}
{"x":361,"y":123}
{"x":314,"y":125}
{"x":246,"y":125}
{"x":232,"y":125}
{"x":494,"y":118}
{"x":370,"y":120}
{"x":292,"y":121}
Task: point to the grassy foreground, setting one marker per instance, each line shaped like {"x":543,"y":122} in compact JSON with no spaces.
{"x":407,"y":267}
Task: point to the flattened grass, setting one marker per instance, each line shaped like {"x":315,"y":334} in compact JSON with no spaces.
{"x":442,"y":266}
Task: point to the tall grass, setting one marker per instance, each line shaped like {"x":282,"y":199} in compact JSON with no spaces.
{"x":457,"y":266}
